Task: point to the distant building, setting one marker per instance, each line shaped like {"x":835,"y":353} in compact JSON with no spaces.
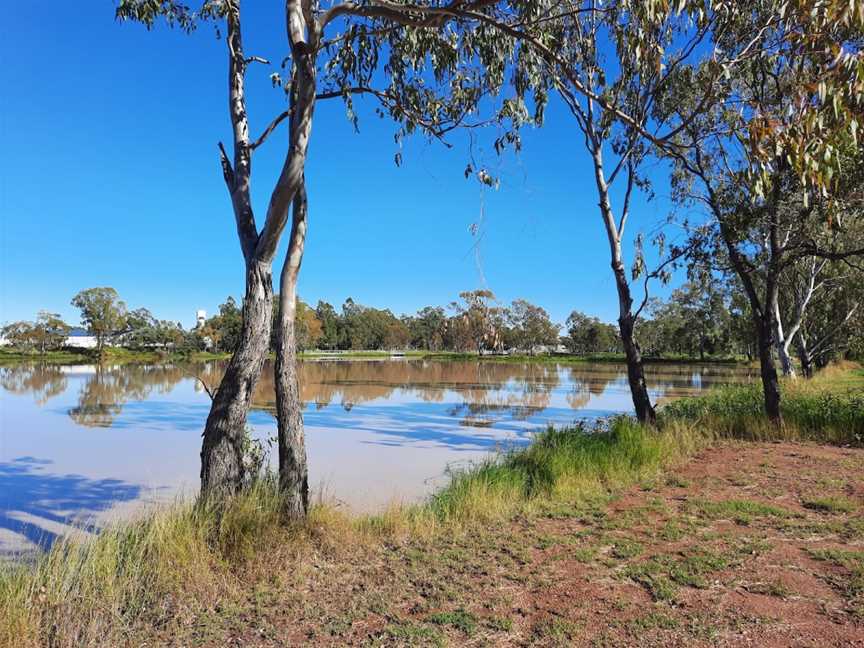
{"x":80,"y":339}
{"x":200,"y":318}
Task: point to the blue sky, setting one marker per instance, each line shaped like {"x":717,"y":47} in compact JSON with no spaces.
{"x":111,"y":177}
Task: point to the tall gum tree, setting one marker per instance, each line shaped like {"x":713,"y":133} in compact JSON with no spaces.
{"x":410,"y":59}
{"x":817,"y":41}
{"x":608,"y":62}
{"x":765,"y":158}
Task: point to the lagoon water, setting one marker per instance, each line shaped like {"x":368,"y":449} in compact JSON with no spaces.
{"x":81,"y":445}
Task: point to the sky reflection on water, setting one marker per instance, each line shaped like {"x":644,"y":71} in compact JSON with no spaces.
{"x":85,"y":444}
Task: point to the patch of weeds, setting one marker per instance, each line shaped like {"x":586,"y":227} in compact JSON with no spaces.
{"x":774,"y":588}
{"x":854,"y":529}
{"x":377,"y":604}
{"x":648,"y":485}
{"x":804,"y":528}
{"x":459,"y":619}
{"x":853,"y":561}
{"x":545,"y":542}
{"x":751,"y":546}
{"x":651,"y":575}
{"x":676,"y":481}
{"x":740,"y":480}
{"x":555,"y":510}
{"x":701,"y":627}
{"x":624,"y":519}
{"x":656,"y":505}
{"x":501,"y":624}
{"x":830,"y":504}
{"x":412,"y":634}
{"x":842,"y":557}
{"x":662,"y":575}
{"x":651,"y":621}
{"x":741,"y":511}
{"x":558,"y":630}
{"x":624,"y":548}
{"x":338,"y":627}
{"x":692,"y":568}
{"x":676,"y":528}
{"x":585,"y":554}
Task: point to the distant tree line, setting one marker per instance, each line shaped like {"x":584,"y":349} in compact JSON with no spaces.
{"x":705,"y":317}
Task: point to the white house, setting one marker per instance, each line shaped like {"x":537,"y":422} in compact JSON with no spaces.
{"x":80,"y":338}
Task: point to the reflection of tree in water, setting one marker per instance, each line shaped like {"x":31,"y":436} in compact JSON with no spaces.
{"x":520,"y":392}
{"x":519,"y":389}
{"x":589,"y":380}
{"x":104,"y":393}
{"x":486,"y":389}
{"x":44,"y":381}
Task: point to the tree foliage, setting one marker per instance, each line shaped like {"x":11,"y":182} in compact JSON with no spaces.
{"x":102,"y":311}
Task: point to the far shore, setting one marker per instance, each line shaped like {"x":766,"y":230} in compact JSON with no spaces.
{"x":115,"y":355}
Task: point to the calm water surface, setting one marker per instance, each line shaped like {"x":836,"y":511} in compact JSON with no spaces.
{"x":83,"y":444}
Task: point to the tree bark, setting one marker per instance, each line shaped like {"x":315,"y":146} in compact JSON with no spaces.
{"x":803,"y":355}
{"x":763,"y":314}
{"x":293,"y":468}
{"x":768,"y":371}
{"x":222,"y":472}
{"x":781,"y":343}
{"x":222,"y":450}
{"x":626,"y":321}
{"x":635,"y":370}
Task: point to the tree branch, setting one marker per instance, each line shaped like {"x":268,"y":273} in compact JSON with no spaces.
{"x":273,"y":125}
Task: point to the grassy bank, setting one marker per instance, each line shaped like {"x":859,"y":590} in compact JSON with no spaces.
{"x":360,"y":355}
{"x":826,"y":409}
{"x":117,"y":355}
{"x":111,"y":355}
{"x":567,"y":358}
{"x":180,"y":566}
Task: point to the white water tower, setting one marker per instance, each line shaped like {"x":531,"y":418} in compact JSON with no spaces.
{"x":200,"y":318}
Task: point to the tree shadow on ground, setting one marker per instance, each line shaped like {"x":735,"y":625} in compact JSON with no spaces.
{"x":33,"y":502}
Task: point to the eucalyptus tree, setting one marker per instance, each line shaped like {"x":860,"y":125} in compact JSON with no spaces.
{"x":831,"y":259}
{"x":763,"y":158}
{"x":47,"y":333}
{"x":102,"y":311}
{"x":480,"y":321}
{"x":825,"y":307}
{"x":407,"y":57}
{"x":609,"y":62}
{"x":531,"y":326}
{"x":657,"y":45}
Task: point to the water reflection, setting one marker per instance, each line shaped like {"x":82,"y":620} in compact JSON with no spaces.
{"x":486,"y":390}
{"x":42,"y":381}
{"x":377,"y":430}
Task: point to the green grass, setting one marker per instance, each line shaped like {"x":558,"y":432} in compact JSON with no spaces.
{"x":12,"y":356}
{"x":459,"y":619}
{"x":574,"y":465}
{"x":828,"y":409}
{"x":830,"y":504}
{"x":852,"y":585}
{"x":114,"y":355}
{"x":741,"y":511}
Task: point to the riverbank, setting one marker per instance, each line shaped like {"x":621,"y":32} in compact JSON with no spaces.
{"x":119,"y":355}
{"x":568,"y":358}
{"x":112,"y":355}
{"x":612,"y":537}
